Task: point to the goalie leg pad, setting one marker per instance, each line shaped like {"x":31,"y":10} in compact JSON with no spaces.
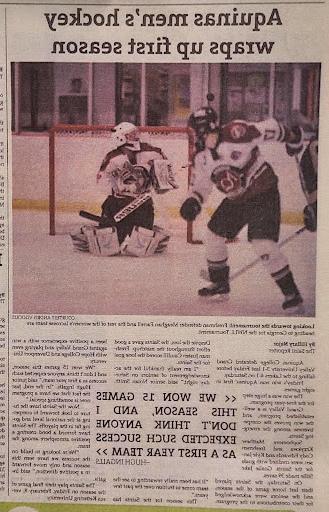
{"x":161,"y":239}
{"x":145,"y":242}
{"x":79,"y":240}
{"x":272,"y":258}
{"x":102,"y":242}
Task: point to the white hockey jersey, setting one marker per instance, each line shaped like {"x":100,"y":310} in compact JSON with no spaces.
{"x":235,"y":165}
{"x":143,"y":154}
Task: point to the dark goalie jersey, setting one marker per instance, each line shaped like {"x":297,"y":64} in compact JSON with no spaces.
{"x":236,"y":166}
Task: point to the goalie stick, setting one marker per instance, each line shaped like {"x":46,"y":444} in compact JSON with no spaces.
{"x":131,"y":207}
{"x":121,"y":214}
{"x":252,"y":264}
{"x":90,"y":216}
{"x":204,"y":272}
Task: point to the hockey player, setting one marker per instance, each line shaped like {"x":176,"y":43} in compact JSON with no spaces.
{"x":233,"y":163}
{"x":130,"y":170}
{"x":125,"y":146}
{"x":128,"y":184}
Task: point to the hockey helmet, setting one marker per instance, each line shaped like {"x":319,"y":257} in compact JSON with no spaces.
{"x":130,"y":180}
{"x":128,"y":130}
{"x":117,"y":140}
{"x":203,"y":121}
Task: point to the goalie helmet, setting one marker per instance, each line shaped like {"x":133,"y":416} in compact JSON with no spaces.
{"x":117,"y":140}
{"x":127,"y":130}
{"x":123,"y":133}
{"x":131,"y":180}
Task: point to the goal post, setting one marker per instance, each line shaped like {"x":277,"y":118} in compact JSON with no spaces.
{"x":75,"y":155}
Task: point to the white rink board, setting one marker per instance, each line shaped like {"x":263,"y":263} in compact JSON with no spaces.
{"x":78,"y":160}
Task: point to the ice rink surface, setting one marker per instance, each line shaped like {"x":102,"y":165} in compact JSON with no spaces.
{"x":50,"y":278}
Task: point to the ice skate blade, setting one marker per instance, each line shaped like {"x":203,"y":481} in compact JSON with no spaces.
{"x":223,"y":297}
{"x":298,"y":310}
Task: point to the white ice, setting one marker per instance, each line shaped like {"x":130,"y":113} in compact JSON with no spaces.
{"x":50,"y":278}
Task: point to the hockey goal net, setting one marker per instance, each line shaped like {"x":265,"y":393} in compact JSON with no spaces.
{"x":75,"y":155}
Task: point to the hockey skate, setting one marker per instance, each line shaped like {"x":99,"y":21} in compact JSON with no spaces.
{"x":220,"y":283}
{"x":218,"y":290}
{"x":293,"y":304}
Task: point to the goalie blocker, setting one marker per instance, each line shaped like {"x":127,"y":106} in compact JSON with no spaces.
{"x":162,"y":176}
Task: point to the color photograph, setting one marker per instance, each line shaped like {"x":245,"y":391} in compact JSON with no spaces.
{"x":164,"y":189}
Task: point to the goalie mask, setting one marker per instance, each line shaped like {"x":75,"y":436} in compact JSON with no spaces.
{"x":130,"y":181}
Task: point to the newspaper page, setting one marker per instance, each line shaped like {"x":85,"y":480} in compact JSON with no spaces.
{"x":164,"y":288}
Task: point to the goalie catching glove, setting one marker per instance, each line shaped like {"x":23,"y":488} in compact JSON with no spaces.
{"x":190,"y":209}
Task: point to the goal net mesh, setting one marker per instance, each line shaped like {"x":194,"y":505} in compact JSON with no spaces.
{"x":75,"y":155}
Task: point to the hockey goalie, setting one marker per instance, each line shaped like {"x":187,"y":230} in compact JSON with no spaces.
{"x":130,"y":171}
{"x":233,"y":163}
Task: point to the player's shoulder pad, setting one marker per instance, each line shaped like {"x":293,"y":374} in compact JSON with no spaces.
{"x":239,"y":132}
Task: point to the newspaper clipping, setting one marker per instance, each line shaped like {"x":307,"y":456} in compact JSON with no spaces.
{"x":164,"y":283}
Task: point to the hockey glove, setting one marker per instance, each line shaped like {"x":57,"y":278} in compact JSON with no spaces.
{"x":190,"y":209}
{"x":310,"y":217}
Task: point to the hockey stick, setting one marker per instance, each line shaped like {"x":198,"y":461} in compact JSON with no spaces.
{"x":253,"y":263}
{"x":90,"y":216}
{"x":121,"y":214}
{"x":204,"y":272}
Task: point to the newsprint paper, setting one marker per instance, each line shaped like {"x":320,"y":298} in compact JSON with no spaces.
{"x":164,"y":279}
